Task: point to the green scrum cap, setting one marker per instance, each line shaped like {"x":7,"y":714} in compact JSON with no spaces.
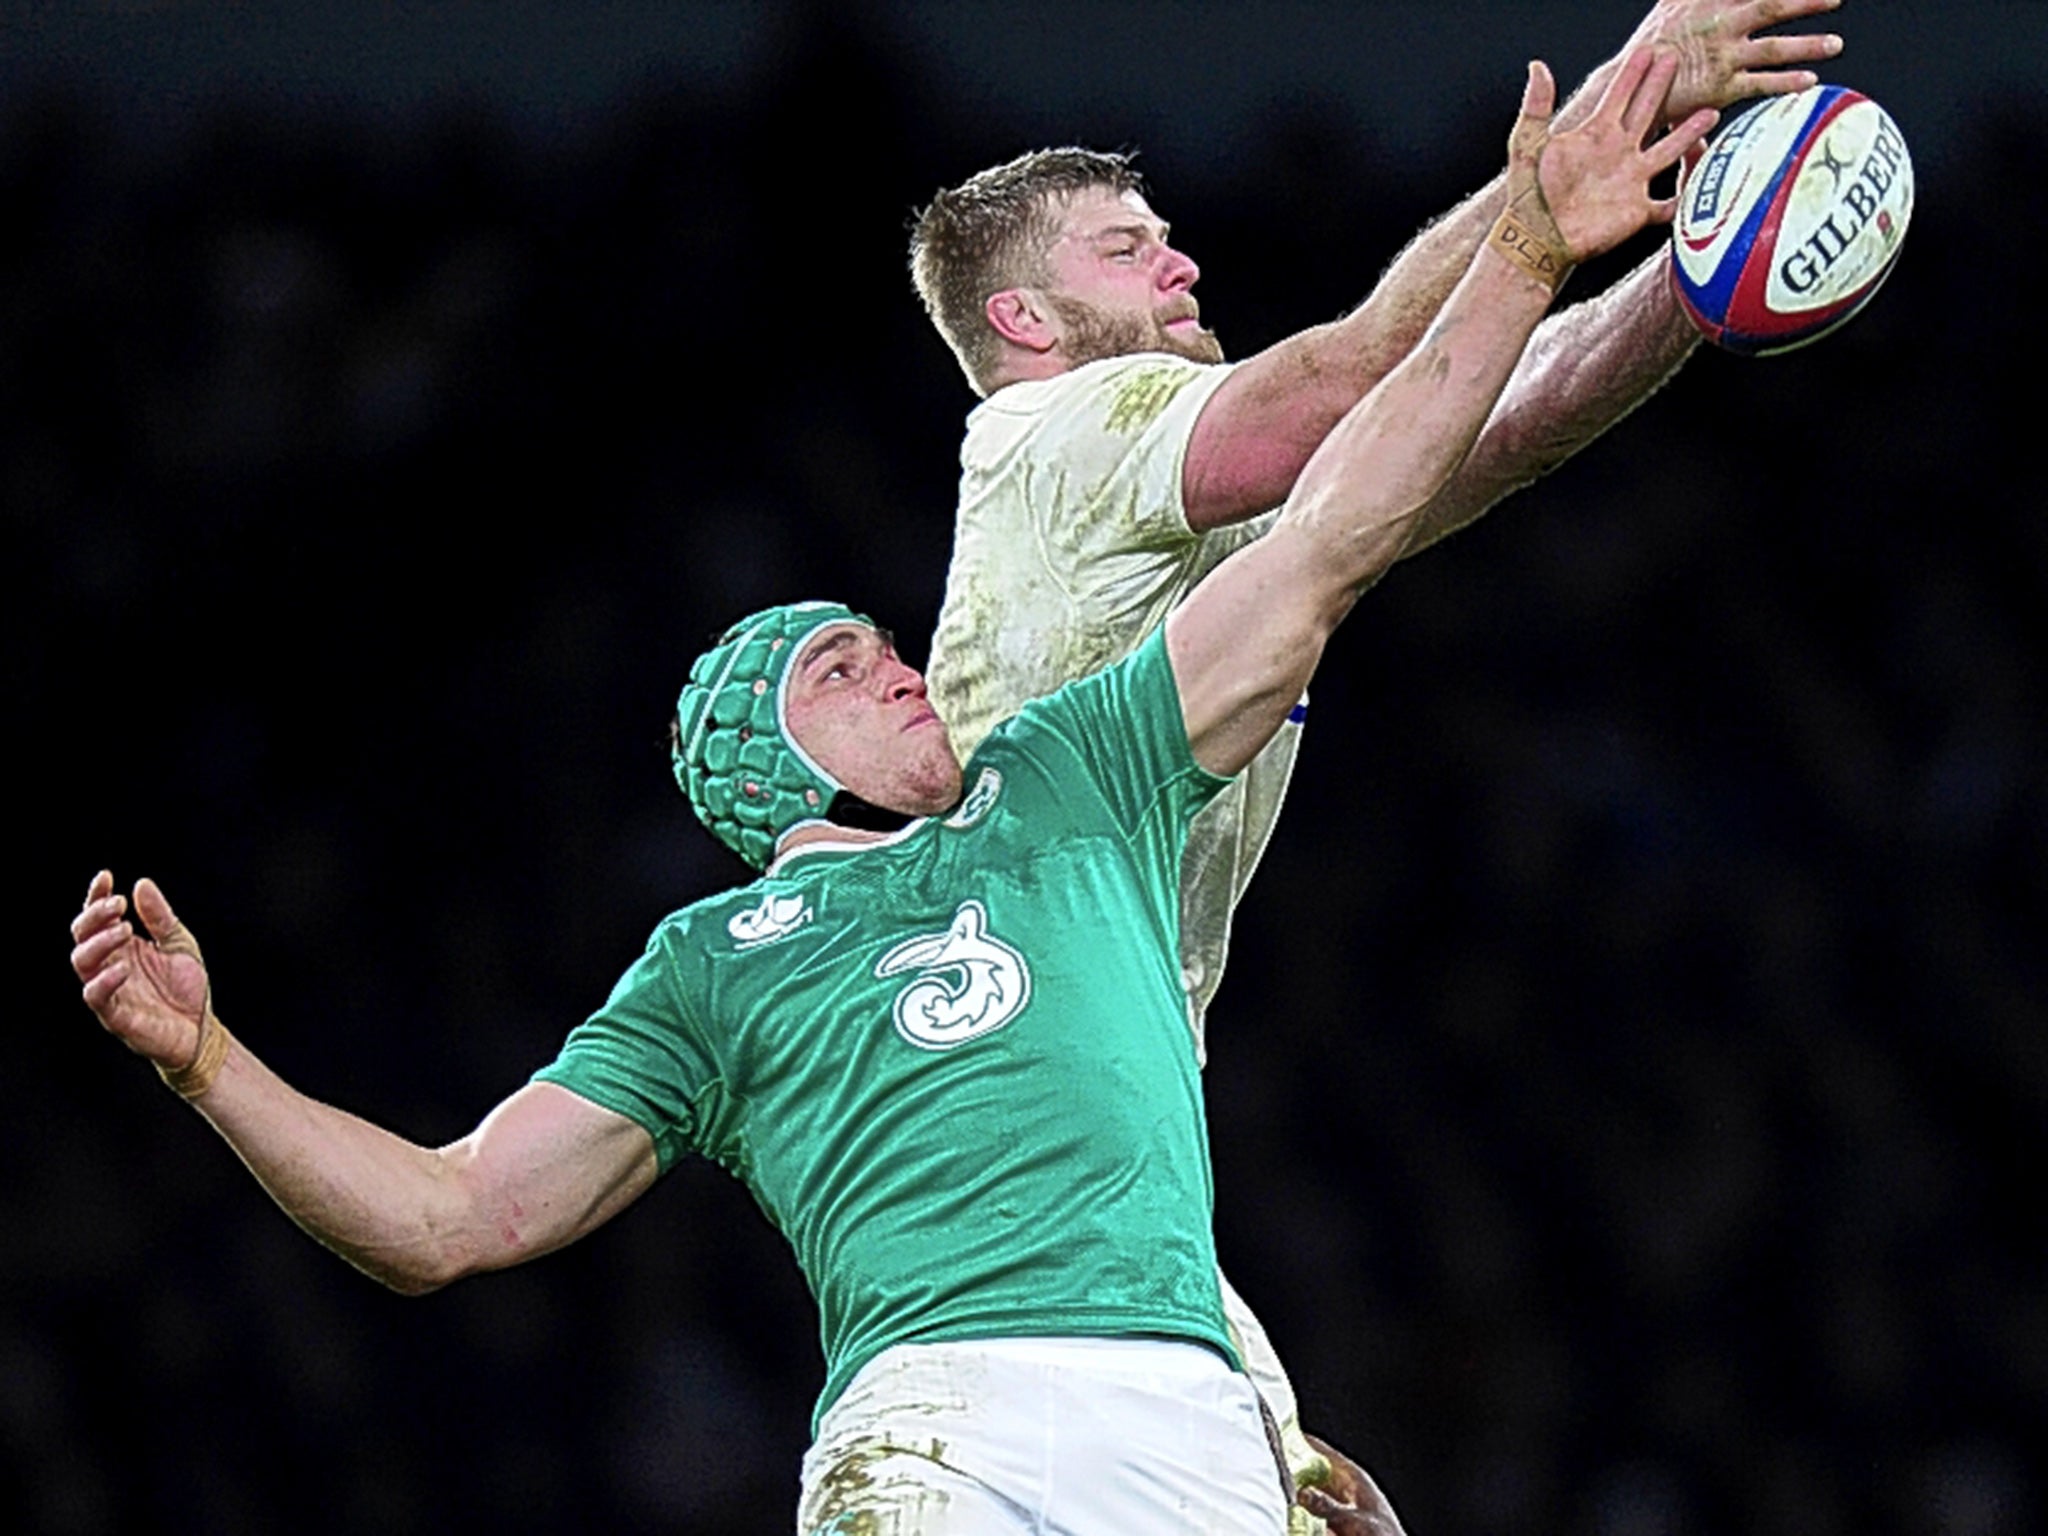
{"x":747,"y":779}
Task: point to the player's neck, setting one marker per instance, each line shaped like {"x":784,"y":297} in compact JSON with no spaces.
{"x":1022,"y":366}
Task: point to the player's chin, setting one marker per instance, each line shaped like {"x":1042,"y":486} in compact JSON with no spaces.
{"x":1194,"y":342}
{"x":946,"y":789}
{"x":936,"y":783}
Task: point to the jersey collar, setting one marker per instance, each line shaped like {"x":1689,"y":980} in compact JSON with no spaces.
{"x":842,"y":844}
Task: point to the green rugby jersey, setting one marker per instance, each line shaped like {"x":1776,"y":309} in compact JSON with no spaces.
{"x":954,"y":1067}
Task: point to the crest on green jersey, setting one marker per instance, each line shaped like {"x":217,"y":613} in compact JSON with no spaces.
{"x":965,"y":982}
{"x":777,"y":917}
{"x":976,"y":805}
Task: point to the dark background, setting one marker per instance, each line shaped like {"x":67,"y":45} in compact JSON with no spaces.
{"x":1631,"y":1079}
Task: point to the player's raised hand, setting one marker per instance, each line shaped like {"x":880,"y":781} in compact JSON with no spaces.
{"x":149,"y":991}
{"x":1721,"y":60}
{"x":1593,"y":181}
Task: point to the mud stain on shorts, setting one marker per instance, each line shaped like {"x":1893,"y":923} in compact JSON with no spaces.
{"x":862,"y":1494}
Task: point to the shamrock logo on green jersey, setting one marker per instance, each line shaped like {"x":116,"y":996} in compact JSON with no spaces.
{"x":968,"y":982}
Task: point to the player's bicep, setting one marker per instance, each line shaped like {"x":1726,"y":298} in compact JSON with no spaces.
{"x":1257,"y":431}
{"x":545,"y":1167}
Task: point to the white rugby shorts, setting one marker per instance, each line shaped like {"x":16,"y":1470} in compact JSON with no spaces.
{"x":1044,"y":1437}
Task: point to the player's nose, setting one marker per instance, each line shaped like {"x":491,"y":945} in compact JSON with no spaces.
{"x":1177,"y":271}
{"x":905,"y":682}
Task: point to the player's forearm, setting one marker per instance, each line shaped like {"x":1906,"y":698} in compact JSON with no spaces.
{"x":393,"y":1209}
{"x":1415,"y":286}
{"x":1257,"y":434}
{"x":1412,"y":291}
{"x":1363,"y":495}
{"x":1585,"y":369}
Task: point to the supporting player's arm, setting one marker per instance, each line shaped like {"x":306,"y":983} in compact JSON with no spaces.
{"x":542,"y":1169}
{"x":1348,"y":1501}
{"x":1257,"y":432}
{"x":1246,"y":641}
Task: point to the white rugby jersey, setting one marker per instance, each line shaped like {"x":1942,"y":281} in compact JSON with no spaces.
{"x":1070,"y":546}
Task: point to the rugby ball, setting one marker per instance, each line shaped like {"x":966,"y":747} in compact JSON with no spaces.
{"x":1791,"y":219}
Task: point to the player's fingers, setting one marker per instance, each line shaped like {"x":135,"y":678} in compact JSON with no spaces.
{"x":1777,"y":82}
{"x":102,"y":883}
{"x":1621,"y":90}
{"x":1646,"y":103}
{"x":1539,"y":92}
{"x":1799,"y":48}
{"x":1679,"y":140}
{"x":102,"y":985}
{"x":95,"y":915}
{"x":1758,"y":14}
{"x":91,"y":953}
{"x":1661,"y":210}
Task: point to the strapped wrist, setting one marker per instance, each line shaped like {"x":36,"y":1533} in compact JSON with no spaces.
{"x":1526,"y":231}
{"x":1530,"y":249}
{"x":197,"y":1075}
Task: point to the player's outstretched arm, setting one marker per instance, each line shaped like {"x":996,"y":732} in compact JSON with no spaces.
{"x":1246,"y":641}
{"x":1256,"y":433}
{"x":542,"y":1169}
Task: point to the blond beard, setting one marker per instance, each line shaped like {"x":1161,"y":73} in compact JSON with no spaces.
{"x":1091,"y":334}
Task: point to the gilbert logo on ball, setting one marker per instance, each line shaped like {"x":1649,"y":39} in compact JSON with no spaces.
{"x":1791,"y":219}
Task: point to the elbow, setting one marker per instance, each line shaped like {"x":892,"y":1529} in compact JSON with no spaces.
{"x":413,"y":1284}
{"x":455,"y":1255}
{"x":454,"y":1235}
{"x":413,"y":1273}
{"x":420,"y":1261}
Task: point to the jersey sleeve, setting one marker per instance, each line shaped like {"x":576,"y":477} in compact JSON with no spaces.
{"x":641,"y":1055}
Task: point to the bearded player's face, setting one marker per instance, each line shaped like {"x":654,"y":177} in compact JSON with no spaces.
{"x":1118,"y":287}
{"x":863,"y":716}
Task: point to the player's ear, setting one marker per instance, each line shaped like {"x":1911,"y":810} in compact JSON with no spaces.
{"x":1022,"y":317}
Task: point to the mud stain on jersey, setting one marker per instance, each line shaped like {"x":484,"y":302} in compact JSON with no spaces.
{"x":861,"y":1495}
{"x":1141,"y":397}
